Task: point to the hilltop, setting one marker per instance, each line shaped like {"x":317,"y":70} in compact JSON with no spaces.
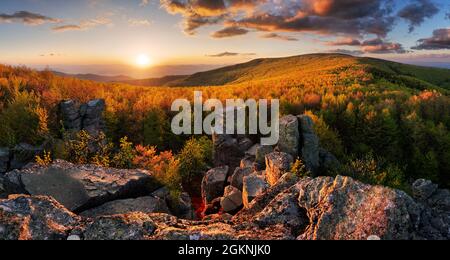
{"x":312,"y":65}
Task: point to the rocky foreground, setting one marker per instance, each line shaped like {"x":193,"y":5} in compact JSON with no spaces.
{"x":250,"y":195}
{"x":91,"y":203}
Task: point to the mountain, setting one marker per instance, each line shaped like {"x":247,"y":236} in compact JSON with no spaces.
{"x":95,"y":77}
{"x":155,"y":81}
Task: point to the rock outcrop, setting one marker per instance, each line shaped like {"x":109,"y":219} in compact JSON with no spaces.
{"x":289,"y":141}
{"x":277,"y":164}
{"x":310,"y":144}
{"x":254,"y":185}
{"x":213,"y":184}
{"x":89,"y":116}
{"x":227,"y":151}
{"x":231,"y":201}
{"x":5,"y":157}
{"x":117,"y":207}
{"x":80,"y":187}
{"x":35,"y":218}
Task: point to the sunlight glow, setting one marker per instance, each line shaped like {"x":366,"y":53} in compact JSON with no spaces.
{"x":143,"y":61}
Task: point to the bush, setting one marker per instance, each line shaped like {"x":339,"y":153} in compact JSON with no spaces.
{"x":299,"y":169}
{"x":195,"y":158}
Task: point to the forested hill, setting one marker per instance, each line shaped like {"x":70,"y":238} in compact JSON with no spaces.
{"x":324,"y":65}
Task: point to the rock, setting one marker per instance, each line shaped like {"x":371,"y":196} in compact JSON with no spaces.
{"x":310,"y":144}
{"x":181,"y":208}
{"x":74,"y":238}
{"x":423,"y":189}
{"x":213,"y":183}
{"x":435,"y":210}
{"x":89,"y":117}
{"x":231,"y":200}
{"x":277,"y":164}
{"x":23,"y":154}
{"x":254,"y":185}
{"x":92,"y":114}
{"x":80,"y":187}
{"x":344,"y":209}
{"x":2,"y":189}
{"x":261,"y":153}
{"x":34,"y":218}
{"x":227,"y":151}
{"x":5,"y":157}
{"x":245,"y":143}
{"x":328,"y":161}
{"x":142,"y":204}
{"x":214,"y":207}
{"x":247,"y":163}
{"x":289,"y":141}
{"x":218,"y":217}
{"x":237,"y":179}
{"x":70,"y":115}
{"x":284,"y":209}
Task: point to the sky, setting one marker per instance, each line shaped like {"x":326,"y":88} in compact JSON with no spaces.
{"x":143,"y":38}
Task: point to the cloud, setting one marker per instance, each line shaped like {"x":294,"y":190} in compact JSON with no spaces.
{"x":229,"y":32}
{"x":347,"y":52}
{"x":379,"y":46}
{"x":137,"y":22}
{"x":82,"y":26}
{"x":416,"y":12}
{"x":27,"y":18}
{"x":144,"y":2}
{"x":352,"y":17}
{"x":230,"y":54}
{"x":278,"y":37}
{"x":345,"y":42}
{"x":439,"y":41}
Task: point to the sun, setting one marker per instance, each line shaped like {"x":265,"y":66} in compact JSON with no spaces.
{"x":143,"y":61}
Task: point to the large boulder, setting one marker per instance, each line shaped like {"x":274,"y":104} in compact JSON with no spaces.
{"x":277,"y":164}
{"x":89,"y":116}
{"x":23,"y":154}
{"x":181,"y":207}
{"x":92,"y":114}
{"x":213,"y":184}
{"x":435,"y":210}
{"x":254,"y":185}
{"x":70,"y":115}
{"x":80,"y":187}
{"x":227,"y":151}
{"x":143,"y":204}
{"x":231,"y":200}
{"x":5,"y":157}
{"x":35,"y":218}
{"x":328,"y":161}
{"x":310,"y":144}
{"x":289,"y":141}
{"x":237,"y":179}
{"x":343,"y":209}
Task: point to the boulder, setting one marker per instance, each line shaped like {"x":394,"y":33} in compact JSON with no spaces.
{"x":5,"y":157}
{"x":23,"y":154}
{"x":247,"y":162}
{"x":213,"y":207}
{"x":35,"y":218}
{"x":92,"y":114}
{"x":213,"y":184}
{"x":181,"y":207}
{"x":80,"y":187}
{"x":237,"y":179}
{"x":245,"y":144}
{"x":70,"y":115}
{"x":89,"y":116}
{"x":289,"y":141}
{"x":3,"y":193}
{"x":227,"y":151}
{"x":343,"y":209}
{"x":142,"y":204}
{"x":277,"y":164}
{"x":310,"y":144}
{"x":435,"y":210}
{"x":284,"y":209}
{"x":231,"y":200}
{"x":254,"y":185}
{"x":261,"y":153}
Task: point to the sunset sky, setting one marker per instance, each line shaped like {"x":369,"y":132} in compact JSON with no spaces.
{"x":122,"y":36}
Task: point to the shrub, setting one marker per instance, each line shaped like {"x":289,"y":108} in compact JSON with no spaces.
{"x":125,"y":156}
{"x":299,"y":169}
{"x":195,"y":158}
{"x":45,"y":160}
